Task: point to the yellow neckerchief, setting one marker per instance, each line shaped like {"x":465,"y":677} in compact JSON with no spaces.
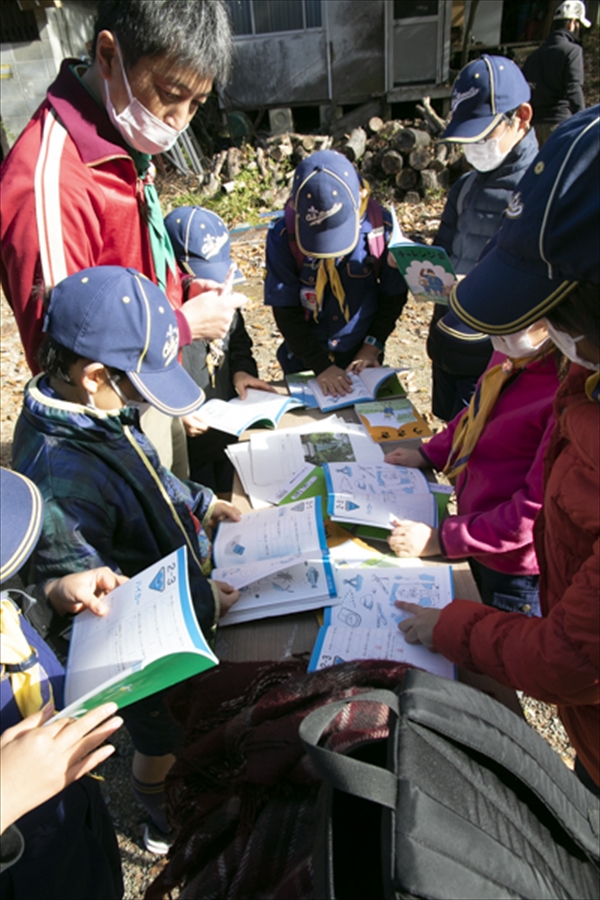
{"x":472,"y":423}
{"x":327,"y":271}
{"x":20,"y":662}
{"x":592,"y":387}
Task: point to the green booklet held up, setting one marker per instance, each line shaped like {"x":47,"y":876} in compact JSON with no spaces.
{"x":427,"y":270}
{"x":149,"y":640}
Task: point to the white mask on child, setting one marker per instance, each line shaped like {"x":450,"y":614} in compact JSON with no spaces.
{"x":517,"y":345}
{"x":140,"y":128}
{"x":568,"y":345}
{"x":140,"y":405}
{"x":485,"y":156}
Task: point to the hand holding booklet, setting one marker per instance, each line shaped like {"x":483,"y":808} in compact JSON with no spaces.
{"x":259,"y":408}
{"x":278,"y":559}
{"x":364,"y":625}
{"x":365,"y":386}
{"x":427,"y":270}
{"x":149,"y":640}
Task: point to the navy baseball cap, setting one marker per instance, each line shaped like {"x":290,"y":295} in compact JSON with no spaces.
{"x":483,"y":92}
{"x":21,"y":516}
{"x":201,"y":243}
{"x":118,"y":317}
{"x":326,"y":199}
{"x":549,"y":237}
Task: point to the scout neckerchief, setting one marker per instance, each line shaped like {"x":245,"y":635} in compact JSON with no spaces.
{"x":592,"y":387}
{"x":474,"y":418}
{"x":328,"y":272}
{"x":30,"y":685}
{"x":160,"y":243}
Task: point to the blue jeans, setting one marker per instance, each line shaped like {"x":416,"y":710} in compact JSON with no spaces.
{"x":511,"y":593}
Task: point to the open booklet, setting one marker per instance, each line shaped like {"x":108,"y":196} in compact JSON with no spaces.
{"x":427,"y":270}
{"x":394,"y":419}
{"x":377,"y":382}
{"x":297,"y":384}
{"x":364,"y":625}
{"x":259,"y":408}
{"x":378,"y":495}
{"x":270,"y":460}
{"x":149,"y":640}
{"x":278,"y":559}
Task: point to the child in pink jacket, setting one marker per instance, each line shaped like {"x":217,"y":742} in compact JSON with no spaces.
{"x":493,"y":452}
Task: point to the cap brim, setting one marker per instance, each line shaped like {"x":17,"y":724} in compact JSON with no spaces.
{"x":501,"y":294}
{"x":172,"y":391}
{"x":471,"y":130}
{"x":451,"y":325}
{"x":215,"y":271}
{"x":21,"y":511}
{"x":330,"y":243}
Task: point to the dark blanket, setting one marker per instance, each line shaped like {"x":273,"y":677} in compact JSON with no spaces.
{"x":242,"y":792}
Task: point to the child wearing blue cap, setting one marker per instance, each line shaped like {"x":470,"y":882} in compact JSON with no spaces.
{"x":335,"y":298}
{"x":223,"y":368}
{"x":544,"y":265}
{"x":56,"y":835}
{"x":490,"y":117}
{"x":111,"y":350}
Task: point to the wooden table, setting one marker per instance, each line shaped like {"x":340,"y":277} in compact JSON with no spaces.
{"x":282,"y":636}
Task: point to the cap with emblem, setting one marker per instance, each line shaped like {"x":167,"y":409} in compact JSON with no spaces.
{"x":21,"y":521}
{"x":118,"y":317}
{"x":201,"y":243}
{"x":326,"y":198}
{"x":549,"y":237}
{"x":483,"y":92}
{"x":572,"y":9}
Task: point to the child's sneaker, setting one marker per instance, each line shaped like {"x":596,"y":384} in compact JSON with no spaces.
{"x":156,"y":841}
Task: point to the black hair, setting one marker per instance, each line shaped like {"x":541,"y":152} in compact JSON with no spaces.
{"x":195,"y":33}
{"x":579,"y":313}
{"x":56,"y":361}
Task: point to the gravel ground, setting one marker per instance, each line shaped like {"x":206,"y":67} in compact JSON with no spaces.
{"x":405,"y":348}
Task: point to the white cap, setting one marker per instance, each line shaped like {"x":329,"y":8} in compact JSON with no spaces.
{"x":572,"y":9}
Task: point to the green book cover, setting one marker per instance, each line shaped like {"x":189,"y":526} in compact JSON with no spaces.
{"x":427,"y":270}
{"x":149,"y":640}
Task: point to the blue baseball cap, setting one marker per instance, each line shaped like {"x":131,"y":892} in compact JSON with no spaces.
{"x":118,"y":317}
{"x":201,"y":243}
{"x":483,"y":92}
{"x":326,"y":199}
{"x":21,"y":516}
{"x":549,"y":237}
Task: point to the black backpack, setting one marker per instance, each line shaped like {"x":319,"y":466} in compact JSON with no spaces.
{"x":463,"y":800}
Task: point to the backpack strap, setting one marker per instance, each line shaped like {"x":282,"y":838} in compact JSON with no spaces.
{"x":344,"y":773}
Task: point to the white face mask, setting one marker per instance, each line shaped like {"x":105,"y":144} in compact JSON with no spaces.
{"x":486,"y":155}
{"x":140,"y":405}
{"x":568,"y":345}
{"x":517,"y":345}
{"x":140,"y":128}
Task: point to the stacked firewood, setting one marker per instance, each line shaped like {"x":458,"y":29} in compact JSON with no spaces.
{"x":406,"y":155}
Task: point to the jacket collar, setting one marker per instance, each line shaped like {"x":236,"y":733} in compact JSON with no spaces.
{"x":54,"y":416}
{"x":86,"y":120}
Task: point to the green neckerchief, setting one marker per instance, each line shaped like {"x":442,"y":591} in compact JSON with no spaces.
{"x":160,"y":243}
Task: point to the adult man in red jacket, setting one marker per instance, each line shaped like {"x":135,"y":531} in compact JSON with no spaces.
{"x":77,"y":187}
